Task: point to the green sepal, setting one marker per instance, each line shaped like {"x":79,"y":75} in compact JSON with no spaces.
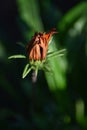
{"x":36,"y":71}
{"x":26,"y":71}
{"x":56,"y":53}
{"x":17,"y":56}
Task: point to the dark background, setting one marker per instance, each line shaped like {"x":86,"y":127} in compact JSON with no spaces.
{"x":58,"y":101}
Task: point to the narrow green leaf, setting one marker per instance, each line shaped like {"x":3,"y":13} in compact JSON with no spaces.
{"x":26,"y":71}
{"x":56,"y":53}
{"x":16,"y":56}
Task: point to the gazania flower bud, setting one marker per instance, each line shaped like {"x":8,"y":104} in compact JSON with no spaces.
{"x":37,"y":53}
{"x":38,"y":46}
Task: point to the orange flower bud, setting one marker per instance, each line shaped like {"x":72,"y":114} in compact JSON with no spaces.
{"x":38,"y":46}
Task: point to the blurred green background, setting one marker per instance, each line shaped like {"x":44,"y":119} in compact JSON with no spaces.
{"x":58,"y":101}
